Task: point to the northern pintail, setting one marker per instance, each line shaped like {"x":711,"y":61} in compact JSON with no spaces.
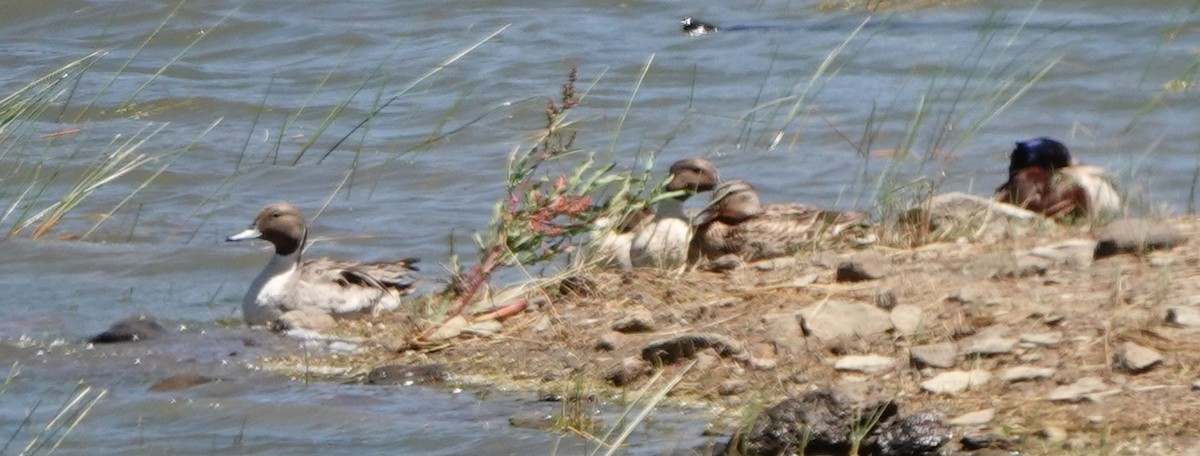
{"x":736,"y":222}
{"x":663,"y":242}
{"x":324,"y":286}
{"x":1043,"y":178}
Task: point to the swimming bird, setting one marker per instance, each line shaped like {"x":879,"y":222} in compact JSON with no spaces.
{"x":736,"y":222}
{"x":693,"y":27}
{"x":320,"y":286}
{"x":663,"y":242}
{"x":1043,"y":178}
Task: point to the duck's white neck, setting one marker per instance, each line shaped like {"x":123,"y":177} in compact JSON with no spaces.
{"x":281,"y":264}
{"x":671,"y":208}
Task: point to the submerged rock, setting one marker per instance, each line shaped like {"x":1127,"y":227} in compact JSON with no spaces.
{"x":181,"y":381}
{"x":397,"y":374}
{"x":133,"y":329}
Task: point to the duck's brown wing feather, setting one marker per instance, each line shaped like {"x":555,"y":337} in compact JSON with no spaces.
{"x":780,"y":230}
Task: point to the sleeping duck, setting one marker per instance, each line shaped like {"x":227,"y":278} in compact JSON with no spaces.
{"x":1043,"y":178}
{"x":663,"y":241}
{"x":736,"y":222}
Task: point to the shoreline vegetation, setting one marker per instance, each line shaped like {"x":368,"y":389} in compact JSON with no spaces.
{"x":1006,"y":333}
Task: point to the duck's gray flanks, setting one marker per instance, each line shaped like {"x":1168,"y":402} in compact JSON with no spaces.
{"x":737,"y":223}
{"x":337,"y":288}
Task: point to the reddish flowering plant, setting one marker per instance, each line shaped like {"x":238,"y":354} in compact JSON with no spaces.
{"x":542,"y":211}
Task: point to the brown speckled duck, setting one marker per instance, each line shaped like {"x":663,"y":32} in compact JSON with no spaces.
{"x":1043,"y":178}
{"x":737,"y":223}
{"x":322,"y":286}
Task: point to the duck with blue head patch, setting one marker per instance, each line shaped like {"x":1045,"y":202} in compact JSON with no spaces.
{"x":1043,"y":178}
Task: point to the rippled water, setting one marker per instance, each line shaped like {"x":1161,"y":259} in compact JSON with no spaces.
{"x":268,"y":72}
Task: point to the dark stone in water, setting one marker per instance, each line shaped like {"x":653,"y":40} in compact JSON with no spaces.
{"x":397,"y":374}
{"x":824,"y":422}
{"x":133,"y":329}
{"x":531,"y":419}
{"x":181,"y":381}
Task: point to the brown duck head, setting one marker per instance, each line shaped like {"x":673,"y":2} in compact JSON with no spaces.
{"x":733,"y":202}
{"x":694,"y":175}
{"x":281,"y":224}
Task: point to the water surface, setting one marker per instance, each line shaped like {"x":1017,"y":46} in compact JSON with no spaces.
{"x":268,"y":72}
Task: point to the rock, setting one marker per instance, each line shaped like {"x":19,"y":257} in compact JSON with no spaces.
{"x":906,"y":319}
{"x":976,"y":418}
{"x":544,"y":323}
{"x":821,"y":421}
{"x":956,"y":214}
{"x":776,"y":263}
{"x":610,"y":341}
{"x":485,"y":328}
{"x":1196,"y":385}
{"x":1025,"y":265}
{"x":132,"y":329}
{"x":1135,"y":359}
{"x":944,"y":355}
{"x":722,"y":264}
{"x":637,"y":320}
{"x":988,"y":440}
{"x":731,"y":387}
{"x":450,"y":329}
{"x":304,"y":319}
{"x":965,"y":296}
{"x":404,"y":375}
{"x":785,"y":332}
{"x":1183,"y":316}
{"x":1053,"y":434}
{"x":706,"y":310}
{"x":867,"y":364}
{"x":1136,"y":236}
{"x":182,"y":381}
{"x":1072,"y":252}
{"x":628,"y":370}
{"x":868,"y":265}
{"x":885,"y":300}
{"x":1025,"y":373}
{"x":530,"y":419}
{"x":919,"y":433}
{"x":1077,"y":391}
{"x":992,"y":340}
{"x":675,"y":349}
{"x":1048,"y":339}
{"x":833,"y":320}
{"x":956,"y":381}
